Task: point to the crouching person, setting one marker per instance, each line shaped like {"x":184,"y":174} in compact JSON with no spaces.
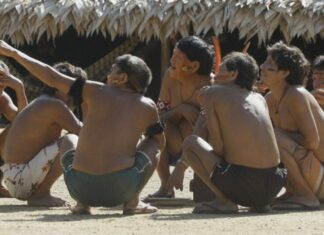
{"x":241,"y":162}
{"x":108,"y":167}
{"x":34,"y":145}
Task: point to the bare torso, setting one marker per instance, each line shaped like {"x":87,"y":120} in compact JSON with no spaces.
{"x":244,"y":126}
{"x":177,"y":93}
{"x":37,"y":126}
{"x":112,"y":129}
{"x":285,"y":117}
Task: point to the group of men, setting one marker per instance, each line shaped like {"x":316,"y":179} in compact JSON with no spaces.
{"x":231,"y":136}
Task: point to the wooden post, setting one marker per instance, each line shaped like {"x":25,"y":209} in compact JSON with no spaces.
{"x":165,"y":56}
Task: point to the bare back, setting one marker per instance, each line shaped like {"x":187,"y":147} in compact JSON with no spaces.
{"x":240,"y":119}
{"x":115,"y":121}
{"x":37,"y":126}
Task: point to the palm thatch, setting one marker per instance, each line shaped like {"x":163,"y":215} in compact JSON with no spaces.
{"x":26,"y":21}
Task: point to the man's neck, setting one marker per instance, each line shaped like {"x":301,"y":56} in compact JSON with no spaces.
{"x":192,"y":80}
{"x":278,"y":90}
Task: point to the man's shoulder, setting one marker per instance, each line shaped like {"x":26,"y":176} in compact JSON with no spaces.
{"x":217,"y":90}
{"x":45,"y":101}
{"x":295,"y":93}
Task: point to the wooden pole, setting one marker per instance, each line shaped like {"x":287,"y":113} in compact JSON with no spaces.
{"x":165,"y":56}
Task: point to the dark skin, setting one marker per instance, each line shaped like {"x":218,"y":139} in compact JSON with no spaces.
{"x":180,"y":89}
{"x":137,"y":113}
{"x":298,"y":120}
{"x":9,"y":109}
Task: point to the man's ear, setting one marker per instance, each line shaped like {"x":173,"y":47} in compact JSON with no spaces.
{"x":285,"y":73}
{"x":192,"y":67}
{"x":122,"y":78}
{"x":233,"y":74}
{"x":195,"y":65}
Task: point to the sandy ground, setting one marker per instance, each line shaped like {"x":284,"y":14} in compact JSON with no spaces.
{"x":17,"y":218}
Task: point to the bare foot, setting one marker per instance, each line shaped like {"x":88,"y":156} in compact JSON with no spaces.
{"x":141,"y":208}
{"x":215,"y":207}
{"x":297,"y":202}
{"x":80,"y":209}
{"x":308,"y":202}
{"x":161,"y":193}
{"x":47,"y":201}
{"x":4,"y":192}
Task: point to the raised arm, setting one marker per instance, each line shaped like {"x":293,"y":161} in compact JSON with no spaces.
{"x":20,"y":93}
{"x":9,"y":80}
{"x":40,"y":70}
{"x":7,"y":107}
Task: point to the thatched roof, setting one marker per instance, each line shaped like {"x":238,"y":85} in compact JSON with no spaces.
{"x":25,"y":21}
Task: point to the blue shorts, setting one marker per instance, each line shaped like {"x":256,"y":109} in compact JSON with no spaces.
{"x":109,"y":189}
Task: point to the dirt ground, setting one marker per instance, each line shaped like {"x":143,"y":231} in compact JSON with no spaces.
{"x":17,"y":218}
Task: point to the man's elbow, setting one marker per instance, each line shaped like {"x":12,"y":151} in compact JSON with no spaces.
{"x":312,"y":144}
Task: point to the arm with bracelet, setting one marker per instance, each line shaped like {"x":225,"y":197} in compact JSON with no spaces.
{"x":156,"y":131}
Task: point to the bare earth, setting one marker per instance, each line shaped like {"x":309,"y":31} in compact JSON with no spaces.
{"x":17,"y":218}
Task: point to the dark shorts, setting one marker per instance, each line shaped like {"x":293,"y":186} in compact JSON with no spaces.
{"x":173,"y":159}
{"x":109,"y":189}
{"x":247,"y":186}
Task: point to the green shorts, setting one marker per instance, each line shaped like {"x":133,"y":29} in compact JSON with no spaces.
{"x":109,"y":189}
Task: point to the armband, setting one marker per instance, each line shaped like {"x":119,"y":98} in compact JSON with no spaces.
{"x":163,"y":105}
{"x":76,"y":91}
{"x":155,"y":129}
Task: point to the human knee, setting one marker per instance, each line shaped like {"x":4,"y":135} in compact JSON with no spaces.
{"x":67,"y":142}
{"x":72,"y":138}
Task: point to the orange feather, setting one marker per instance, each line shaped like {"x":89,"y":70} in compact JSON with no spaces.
{"x":246,"y":48}
{"x":218,"y":53}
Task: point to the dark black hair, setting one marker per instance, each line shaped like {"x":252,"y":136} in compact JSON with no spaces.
{"x":67,"y":69}
{"x":70,"y":70}
{"x":138,"y":73}
{"x":245,"y":65}
{"x":198,"y":50}
{"x":290,"y":58}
